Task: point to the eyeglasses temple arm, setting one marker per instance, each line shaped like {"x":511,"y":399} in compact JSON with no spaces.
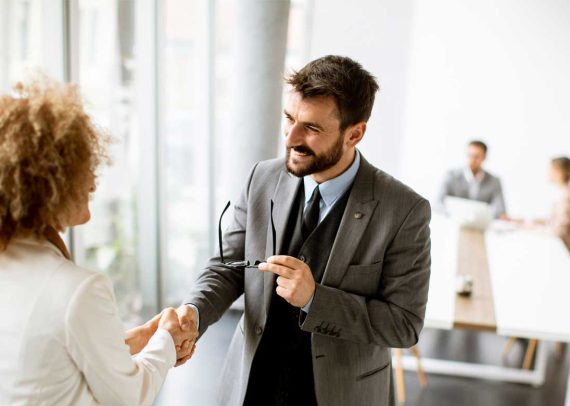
{"x":220,"y":232}
{"x":273,"y":233}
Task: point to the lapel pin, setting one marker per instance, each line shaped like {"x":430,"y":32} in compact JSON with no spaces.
{"x":358,"y":215}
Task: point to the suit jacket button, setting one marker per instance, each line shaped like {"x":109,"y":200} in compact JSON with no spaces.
{"x":258,"y":330}
{"x":302,"y":258}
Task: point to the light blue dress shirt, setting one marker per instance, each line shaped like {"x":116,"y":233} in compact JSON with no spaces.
{"x":330,"y":191}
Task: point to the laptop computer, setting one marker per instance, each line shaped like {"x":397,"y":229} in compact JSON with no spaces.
{"x":469,"y":213}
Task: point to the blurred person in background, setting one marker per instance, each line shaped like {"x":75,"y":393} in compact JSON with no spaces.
{"x":473,"y":182}
{"x":61,"y":340}
{"x":559,"y":221}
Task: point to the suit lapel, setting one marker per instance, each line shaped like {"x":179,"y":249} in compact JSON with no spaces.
{"x":358,"y":213}
{"x":283,"y":200}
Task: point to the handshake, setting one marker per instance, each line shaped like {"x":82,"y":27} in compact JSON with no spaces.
{"x":181,"y":323}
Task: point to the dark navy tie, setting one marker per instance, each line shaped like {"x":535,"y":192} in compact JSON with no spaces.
{"x":311,"y":214}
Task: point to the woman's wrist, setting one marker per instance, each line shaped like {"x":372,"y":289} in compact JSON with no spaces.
{"x":137,"y":338}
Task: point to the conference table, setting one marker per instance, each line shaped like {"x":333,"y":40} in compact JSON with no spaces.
{"x":520,"y":288}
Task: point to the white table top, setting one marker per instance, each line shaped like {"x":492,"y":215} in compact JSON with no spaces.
{"x":444,"y":251}
{"x":530,"y":279}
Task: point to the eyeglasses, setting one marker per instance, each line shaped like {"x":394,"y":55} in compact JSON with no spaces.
{"x":244,"y":263}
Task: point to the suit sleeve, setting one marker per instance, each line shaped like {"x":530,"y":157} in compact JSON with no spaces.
{"x":95,"y":342}
{"x":218,"y":286}
{"x":394,"y":318}
{"x":498,"y":202}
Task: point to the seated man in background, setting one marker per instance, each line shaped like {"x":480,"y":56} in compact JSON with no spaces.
{"x":474,"y":183}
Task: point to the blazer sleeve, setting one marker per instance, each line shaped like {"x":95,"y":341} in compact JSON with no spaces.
{"x":394,"y":318}
{"x":95,"y":342}
{"x":498,"y":201}
{"x":219,"y":286}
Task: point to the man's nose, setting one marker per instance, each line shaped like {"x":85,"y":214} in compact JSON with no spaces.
{"x":294,"y":135}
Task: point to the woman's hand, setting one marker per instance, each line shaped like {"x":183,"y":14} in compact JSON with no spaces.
{"x":137,"y":338}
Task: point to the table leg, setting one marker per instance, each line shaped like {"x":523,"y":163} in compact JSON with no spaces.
{"x":400,"y":385}
{"x":567,"y":401}
{"x":529,"y":355}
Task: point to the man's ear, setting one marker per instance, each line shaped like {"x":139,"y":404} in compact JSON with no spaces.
{"x":355,"y":133}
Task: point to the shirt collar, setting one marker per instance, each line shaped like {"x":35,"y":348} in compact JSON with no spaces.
{"x":473,"y":178}
{"x":334,"y":188}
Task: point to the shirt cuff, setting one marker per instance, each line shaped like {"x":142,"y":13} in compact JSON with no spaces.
{"x":308,"y":305}
{"x":197,"y":315}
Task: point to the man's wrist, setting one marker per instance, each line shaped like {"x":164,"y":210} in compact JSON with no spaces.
{"x":310,"y":301}
{"x":195,"y":309}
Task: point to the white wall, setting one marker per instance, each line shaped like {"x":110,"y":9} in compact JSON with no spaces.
{"x":378,"y":35}
{"x":452,"y":71}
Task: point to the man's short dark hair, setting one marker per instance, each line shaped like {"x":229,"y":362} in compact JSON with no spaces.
{"x":479,"y":144}
{"x":352,"y":87}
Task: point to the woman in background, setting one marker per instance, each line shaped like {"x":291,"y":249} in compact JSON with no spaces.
{"x":559,"y":221}
{"x":559,"y":225}
{"x":61,"y":340}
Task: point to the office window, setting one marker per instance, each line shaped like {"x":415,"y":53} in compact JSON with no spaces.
{"x":144,"y":70}
{"x":190,"y":207}
{"x":107,"y":76}
{"x":31,"y":40}
{"x":184,"y":143}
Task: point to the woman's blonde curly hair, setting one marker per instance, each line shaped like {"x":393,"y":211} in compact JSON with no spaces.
{"x":49,"y":150}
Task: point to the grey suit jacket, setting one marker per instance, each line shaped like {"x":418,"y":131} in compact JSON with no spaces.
{"x":490,"y":190}
{"x":372,"y":296}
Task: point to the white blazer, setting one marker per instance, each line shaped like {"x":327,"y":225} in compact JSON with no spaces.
{"x":61,"y":340}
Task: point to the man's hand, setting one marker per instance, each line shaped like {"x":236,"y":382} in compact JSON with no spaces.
{"x":295,"y":282}
{"x":187,"y":318}
{"x":184,"y":339}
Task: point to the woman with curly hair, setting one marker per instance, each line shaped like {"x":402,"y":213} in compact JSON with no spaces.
{"x":61,"y":341}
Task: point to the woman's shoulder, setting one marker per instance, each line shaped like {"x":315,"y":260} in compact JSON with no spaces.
{"x":81,"y":285}
{"x":90,"y":290}
{"x":33,"y":259}
{"x":58,"y":275}
{"x":73,"y":271}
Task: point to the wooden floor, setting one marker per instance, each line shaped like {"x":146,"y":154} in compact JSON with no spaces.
{"x":195,"y":383}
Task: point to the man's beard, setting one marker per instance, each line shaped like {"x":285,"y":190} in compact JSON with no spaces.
{"x":319,"y":163}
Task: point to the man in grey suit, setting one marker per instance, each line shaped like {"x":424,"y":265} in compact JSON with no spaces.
{"x":351,"y":278}
{"x":474,"y":183}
